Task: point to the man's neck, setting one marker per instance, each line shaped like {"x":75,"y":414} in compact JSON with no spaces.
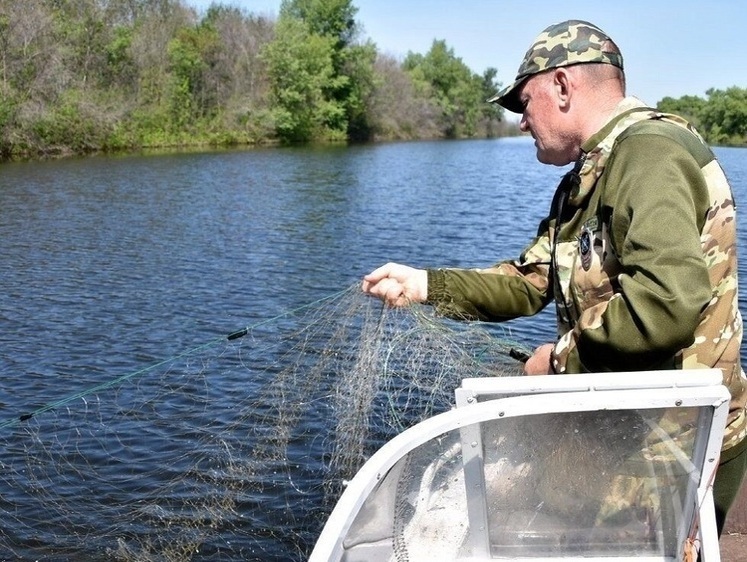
{"x":605,"y":108}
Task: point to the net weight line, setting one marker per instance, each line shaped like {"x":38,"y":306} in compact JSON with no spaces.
{"x":12,"y":422}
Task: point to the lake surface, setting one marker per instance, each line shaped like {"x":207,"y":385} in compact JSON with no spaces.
{"x":114,"y":264}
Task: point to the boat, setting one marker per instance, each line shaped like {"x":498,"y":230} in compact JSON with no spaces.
{"x":597,"y":466}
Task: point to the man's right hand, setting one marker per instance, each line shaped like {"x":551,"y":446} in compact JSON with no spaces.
{"x":397,"y":284}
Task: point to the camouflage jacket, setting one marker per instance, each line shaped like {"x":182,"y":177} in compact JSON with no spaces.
{"x":644,"y":255}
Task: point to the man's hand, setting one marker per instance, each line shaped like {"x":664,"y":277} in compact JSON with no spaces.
{"x":539,"y":362}
{"x":397,"y":284}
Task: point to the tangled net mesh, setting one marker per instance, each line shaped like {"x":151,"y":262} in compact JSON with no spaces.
{"x":236,"y":450}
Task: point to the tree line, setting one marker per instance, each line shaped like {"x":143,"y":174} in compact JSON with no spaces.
{"x":78,"y":76}
{"x":721,"y":117}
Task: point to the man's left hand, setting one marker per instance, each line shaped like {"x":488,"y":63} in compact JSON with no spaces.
{"x":539,"y":362}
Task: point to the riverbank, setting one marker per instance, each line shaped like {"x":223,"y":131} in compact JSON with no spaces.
{"x":60,"y":152}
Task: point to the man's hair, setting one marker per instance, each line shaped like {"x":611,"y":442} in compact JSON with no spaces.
{"x":617,"y":72}
{"x":597,"y":73}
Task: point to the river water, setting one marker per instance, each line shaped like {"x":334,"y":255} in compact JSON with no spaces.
{"x":111,"y":264}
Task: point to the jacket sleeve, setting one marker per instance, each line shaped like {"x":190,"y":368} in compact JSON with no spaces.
{"x":507,"y":290}
{"x":658,"y":199}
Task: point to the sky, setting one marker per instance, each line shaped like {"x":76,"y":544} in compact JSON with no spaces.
{"x":670,"y":48}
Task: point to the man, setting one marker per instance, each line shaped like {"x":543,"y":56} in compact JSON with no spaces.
{"x":638,"y":251}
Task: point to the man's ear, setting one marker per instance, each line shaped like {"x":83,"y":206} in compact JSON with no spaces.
{"x":562,"y":84}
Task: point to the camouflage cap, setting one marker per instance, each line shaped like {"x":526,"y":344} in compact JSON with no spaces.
{"x":562,"y":44}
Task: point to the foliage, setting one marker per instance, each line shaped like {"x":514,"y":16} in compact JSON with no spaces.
{"x":396,"y":110}
{"x":301,"y":73}
{"x":725,"y":116}
{"x":721,"y":118}
{"x":458,"y":92}
{"x":326,"y":18}
{"x":85,"y":75}
{"x":348,"y":80}
{"x":360,"y":87}
{"x":689,"y":107}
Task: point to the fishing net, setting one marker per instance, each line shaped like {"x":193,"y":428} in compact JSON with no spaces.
{"x":235,"y":450}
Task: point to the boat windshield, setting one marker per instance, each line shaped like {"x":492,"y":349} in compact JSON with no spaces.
{"x":555,"y":485}
{"x":621,"y":474}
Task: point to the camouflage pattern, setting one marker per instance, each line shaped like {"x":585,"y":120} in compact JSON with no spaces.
{"x":718,"y":337}
{"x":589,"y":272}
{"x":562,"y":44}
{"x":588,"y":286}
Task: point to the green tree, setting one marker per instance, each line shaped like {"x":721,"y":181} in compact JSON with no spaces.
{"x":84,"y":75}
{"x":191,"y":54}
{"x":301,"y":73}
{"x":689,"y":107}
{"x":724,"y":116}
{"x":492,"y":113}
{"x":327,"y":18}
{"x":456,"y":90}
{"x":120,"y":72}
{"x":721,"y":118}
{"x":356,"y":97}
{"x":352,"y":63}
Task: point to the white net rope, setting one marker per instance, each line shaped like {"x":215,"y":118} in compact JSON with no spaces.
{"x":238,"y":449}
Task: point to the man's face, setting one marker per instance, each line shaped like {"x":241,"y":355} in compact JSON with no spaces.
{"x":545,"y":119}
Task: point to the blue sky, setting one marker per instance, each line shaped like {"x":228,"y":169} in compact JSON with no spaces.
{"x":670,"y":48}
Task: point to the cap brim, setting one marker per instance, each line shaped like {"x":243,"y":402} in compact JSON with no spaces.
{"x":508,"y":97}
